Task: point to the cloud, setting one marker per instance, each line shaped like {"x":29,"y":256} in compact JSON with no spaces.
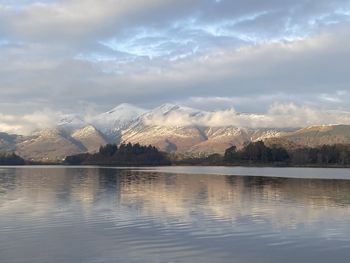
{"x":75,"y":21}
{"x":298,"y":70}
{"x":28,"y":123}
{"x":278,"y":116}
{"x":68,"y":54}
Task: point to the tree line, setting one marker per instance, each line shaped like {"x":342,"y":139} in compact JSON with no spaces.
{"x":125,"y":154}
{"x":11,"y":159}
{"x":254,"y":153}
{"x":259,"y":153}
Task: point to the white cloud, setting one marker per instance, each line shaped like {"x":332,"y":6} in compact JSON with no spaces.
{"x":278,"y":116}
{"x":28,"y":123}
{"x":54,"y":53}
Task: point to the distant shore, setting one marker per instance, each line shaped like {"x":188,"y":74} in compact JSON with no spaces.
{"x":256,"y":165}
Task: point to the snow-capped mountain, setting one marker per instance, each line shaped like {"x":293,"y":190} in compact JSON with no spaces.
{"x":170,"y":127}
{"x":167,"y":109}
{"x":177,"y":128}
{"x":167,"y":127}
{"x":111,"y":123}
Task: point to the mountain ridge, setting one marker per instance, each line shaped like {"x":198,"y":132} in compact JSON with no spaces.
{"x":169,"y":127}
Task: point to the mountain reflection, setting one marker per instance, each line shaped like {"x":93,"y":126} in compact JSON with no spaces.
{"x":58,"y":214}
{"x":281,"y":202}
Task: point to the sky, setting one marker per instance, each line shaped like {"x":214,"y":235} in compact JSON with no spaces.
{"x":88,"y":55}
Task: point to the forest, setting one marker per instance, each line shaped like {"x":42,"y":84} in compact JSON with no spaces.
{"x":252,"y":154}
{"x":125,"y":154}
{"x":259,"y":153}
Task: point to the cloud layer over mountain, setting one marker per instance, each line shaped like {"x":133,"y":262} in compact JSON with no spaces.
{"x":278,"y":116}
{"x":169,"y":115}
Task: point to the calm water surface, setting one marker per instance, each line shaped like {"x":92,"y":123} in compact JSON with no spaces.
{"x":177,"y":214}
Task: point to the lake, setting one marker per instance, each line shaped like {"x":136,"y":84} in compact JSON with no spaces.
{"x":174,"y":214}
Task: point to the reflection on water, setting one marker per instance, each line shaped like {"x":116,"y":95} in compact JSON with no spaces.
{"x":109,"y":215}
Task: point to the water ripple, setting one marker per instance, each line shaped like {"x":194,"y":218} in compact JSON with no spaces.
{"x":111,"y":215}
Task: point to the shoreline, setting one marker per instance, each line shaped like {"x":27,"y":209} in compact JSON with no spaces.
{"x":183,"y":165}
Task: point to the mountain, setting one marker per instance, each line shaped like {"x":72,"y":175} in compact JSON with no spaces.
{"x":49,"y":145}
{"x":218,"y":139}
{"x":8,"y":142}
{"x":314,"y":136}
{"x":177,"y":128}
{"x":152,"y":128}
{"x":221,"y":138}
{"x":55,"y":144}
{"x":165,"y":138}
{"x":90,"y":138}
{"x":74,"y":135}
{"x":111,"y":123}
{"x":170,"y":127}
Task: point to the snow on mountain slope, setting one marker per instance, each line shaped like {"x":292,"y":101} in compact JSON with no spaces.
{"x":111,"y":123}
{"x":172,"y":115}
{"x":169,"y":127}
{"x":49,"y":145}
{"x":55,"y":144}
{"x":90,"y":138}
{"x":165,"y":138}
{"x":263,"y":134}
{"x":176,"y":128}
{"x":154,"y":128}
